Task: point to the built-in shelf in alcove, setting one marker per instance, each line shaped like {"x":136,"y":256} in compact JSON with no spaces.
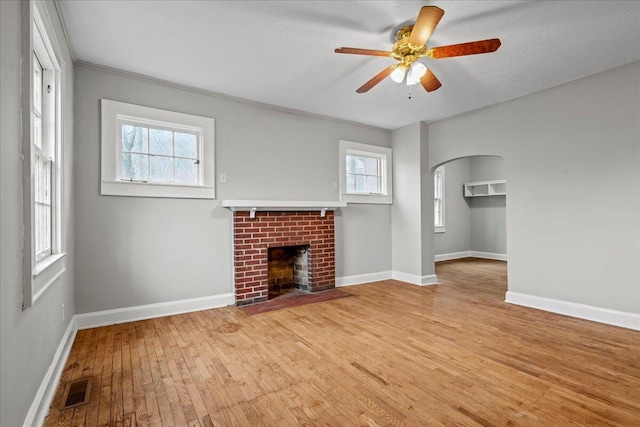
{"x":485,"y":188}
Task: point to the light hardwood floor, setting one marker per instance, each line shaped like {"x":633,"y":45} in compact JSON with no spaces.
{"x":393,"y":354}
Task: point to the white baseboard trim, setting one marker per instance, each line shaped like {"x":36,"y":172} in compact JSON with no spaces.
{"x":150,"y":311}
{"x":488,"y":255}
{"x":452,"y":255}
{"x":470,"y":254}
{"x":40,"y":406}
{"x":414,"y":279}
{"x":359,"y":279}
{"x":581,"y":311}
{"x":430,"y":279}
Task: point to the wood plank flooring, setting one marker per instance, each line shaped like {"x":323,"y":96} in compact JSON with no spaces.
{"x":392,"y":355}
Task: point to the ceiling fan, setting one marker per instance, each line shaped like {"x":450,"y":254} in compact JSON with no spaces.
{"x":411,"y":46}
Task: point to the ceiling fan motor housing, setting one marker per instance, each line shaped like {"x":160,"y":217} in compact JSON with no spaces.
{"x":405,"y":52}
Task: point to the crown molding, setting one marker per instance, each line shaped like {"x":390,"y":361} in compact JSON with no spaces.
{"x":65,"y":30}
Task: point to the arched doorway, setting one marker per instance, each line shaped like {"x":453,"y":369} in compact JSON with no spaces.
{"x":470,"y":209}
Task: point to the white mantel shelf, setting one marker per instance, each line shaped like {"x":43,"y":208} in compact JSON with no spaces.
{"x":282,"y":205}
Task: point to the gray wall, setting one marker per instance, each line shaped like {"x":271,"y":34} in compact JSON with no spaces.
{"x":28,"y":339}
{"x":426,"y":205}
{"x":135,"y":251}
{"x":457,"y":215}
{"x":572,"y":157}
{"x":488,"y":215}
{"x":412,"y":249}
{"x":406,"y":219}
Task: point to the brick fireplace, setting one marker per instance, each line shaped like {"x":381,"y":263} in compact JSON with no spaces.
{"x":253,"y":237}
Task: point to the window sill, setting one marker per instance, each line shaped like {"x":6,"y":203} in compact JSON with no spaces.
{"x":134,"y":189}
{"x":438,"y":230}
{"x":47,"y":271}
{"x":367,"y":198}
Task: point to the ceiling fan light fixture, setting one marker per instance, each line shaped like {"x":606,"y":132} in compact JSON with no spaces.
{"x":412,"y":79}
{"x":415,"y":72}
{"x":418,"y":69}
{"x":397,"y":75}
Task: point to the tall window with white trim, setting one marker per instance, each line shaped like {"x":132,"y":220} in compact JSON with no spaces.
{"x":438,"y":200}
{"x":42,"y":149}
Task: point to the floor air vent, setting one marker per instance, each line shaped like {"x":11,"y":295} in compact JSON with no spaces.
{"x":76,"y":393}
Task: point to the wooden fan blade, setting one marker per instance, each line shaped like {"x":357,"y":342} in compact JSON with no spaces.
{"x":356,"y":51}
{"x":429,"y":81}
{"x":470,"y":48}
{"x":428,"y":18}
{"x":377,"y":79}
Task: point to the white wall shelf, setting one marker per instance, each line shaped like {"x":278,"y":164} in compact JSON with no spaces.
{"x":485,"y":188}
{"x":282,"y":205}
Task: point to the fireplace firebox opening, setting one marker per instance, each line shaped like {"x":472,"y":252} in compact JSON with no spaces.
{"x":288,"y":270}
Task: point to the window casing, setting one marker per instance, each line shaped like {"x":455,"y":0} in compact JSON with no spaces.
{"x":44,"y":257}
{"x":149,"y":152}
{"x":438,"y":200}
{"x":365,"y":173}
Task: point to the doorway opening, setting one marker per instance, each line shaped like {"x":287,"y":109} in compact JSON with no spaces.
{"x":470,"y":203}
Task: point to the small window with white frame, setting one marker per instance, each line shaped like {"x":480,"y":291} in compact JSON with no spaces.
{"x":365,"y":173}
{"x":149,"y":152}
{"x":44,"y":257}
{"x":438,"y":200}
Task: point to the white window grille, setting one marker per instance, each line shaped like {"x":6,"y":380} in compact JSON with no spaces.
{"x":42,"y":162}
{"x":364,"y":174}
{"x":159,"y":155}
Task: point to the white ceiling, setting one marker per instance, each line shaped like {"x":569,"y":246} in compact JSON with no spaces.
{"x":282,"y":52}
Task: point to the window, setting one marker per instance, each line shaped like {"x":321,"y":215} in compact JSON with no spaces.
{"x":438,"y":200}
{"x":43,"y":156}
{"x":150,"y":154}
{"x":365,"y":173}
{"x":42,"y":150}
{"x":156,"y":153}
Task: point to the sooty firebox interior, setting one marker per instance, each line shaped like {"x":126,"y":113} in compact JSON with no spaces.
{"x":288,"y":270}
